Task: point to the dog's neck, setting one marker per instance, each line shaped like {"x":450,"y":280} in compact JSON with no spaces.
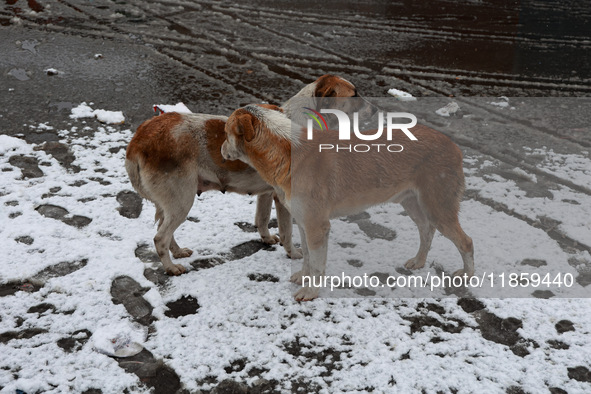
{"x":270,"y":151}
{"x":292,"y":108}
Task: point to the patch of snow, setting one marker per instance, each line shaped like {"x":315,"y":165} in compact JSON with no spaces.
{"x":52,"y":71}
{"x":85,"y":111}
{"x":525,"y":174}
{"x":178,"y":107}
{"x":119,"y":339}
{"x":449,"y":109}
{"x":401,"y":95}
{"x":502,"y":104}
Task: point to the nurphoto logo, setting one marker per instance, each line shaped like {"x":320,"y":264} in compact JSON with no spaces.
{"x":345,"y":134}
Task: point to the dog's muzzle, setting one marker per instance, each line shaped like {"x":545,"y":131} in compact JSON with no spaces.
{"x":224,"y":151}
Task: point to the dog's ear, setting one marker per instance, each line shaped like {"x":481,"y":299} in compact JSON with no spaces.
{"x":325,"y":91}
{"x":245,"y":126}
{"x":325,"y":86}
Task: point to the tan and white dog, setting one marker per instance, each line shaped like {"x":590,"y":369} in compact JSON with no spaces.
{"x":174,"y":156}
{"x":426,"y":178}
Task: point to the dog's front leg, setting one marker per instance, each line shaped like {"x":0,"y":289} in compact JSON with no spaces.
{"x":316,"y":236}
{"x":305,"y":271}
{"x":284,"y":222}
{"x":261,"y":220}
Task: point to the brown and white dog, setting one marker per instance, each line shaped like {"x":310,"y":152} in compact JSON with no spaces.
{"x":426,"y":178}
{"x":174,"y":156}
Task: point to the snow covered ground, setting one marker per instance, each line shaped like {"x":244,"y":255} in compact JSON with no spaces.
{"x":61,"y":273}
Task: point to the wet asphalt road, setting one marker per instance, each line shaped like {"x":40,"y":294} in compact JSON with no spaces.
{"x":217,"y":56}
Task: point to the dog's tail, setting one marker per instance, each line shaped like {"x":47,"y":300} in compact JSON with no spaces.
{"x":134,"y":172}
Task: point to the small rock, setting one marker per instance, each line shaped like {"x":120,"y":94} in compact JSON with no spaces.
{"x":559,"y":345}
{"x":131,"y":204}
{"x":564,"y":326}
{"x":78,"y":221}
{"x":25,"y":239}
{"x":470,"y":305}
{"x":503,"y":331}
{"x":22,"y":334}
{"x":556,"y":390}
{"x":152,"y":372}
{"x":365,"y":292}
{"x":61,"y":152}
{"x":59,"y":213}
{"x":515,"y":390}
{"x":534,"y":262}
{"x":248,"y":248}
{"x":75,"y":342}
{"x":146,"y":254}
{"x":60,"y":269}
{"x":206,"y":263}
{"x":52,"y":211}
{"x":376,"y":231}
{"x":584,"y":278}
{"x":246,"y":227}
{"x":230,"y":387}
{"x":41,"y":308}
{"x":357,"y":217}
{"x":355,"y":263}
{"x":382,"y":276}
{"x":128,"y":292}
{"x":186,"y":305}
{"x":236,"y":365}
{"x":582,"y":374}
{"x":544,"y":294}
{"x":403,"y":271}
{"x":157,"y":276}
{"x":28,"y":165}
{"x":256,"y":277}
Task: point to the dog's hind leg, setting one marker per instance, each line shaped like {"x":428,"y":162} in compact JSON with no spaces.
{"x":177,"y":251}
{"x":174,"y":210}
{"x":440,"y":200}
{"x":454,"y":232}
{"x":261,"y":220}
{"x":426,"y":231}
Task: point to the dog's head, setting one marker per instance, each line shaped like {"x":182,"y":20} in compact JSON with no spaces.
{"x":333,"y":92}
{"x":329,"y":92}
{"x":245,"y":124}
{"x":240,"y":128}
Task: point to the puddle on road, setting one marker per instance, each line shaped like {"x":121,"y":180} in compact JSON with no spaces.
{"x":19,"y":73}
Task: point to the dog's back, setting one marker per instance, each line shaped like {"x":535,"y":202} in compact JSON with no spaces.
{"x":350,"y":181}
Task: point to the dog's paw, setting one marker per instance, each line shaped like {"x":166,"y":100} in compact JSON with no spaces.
{"x":181,"y":253}
{"x":306,"y":294}
{"x":175,"y":269}
{"x":297,"y":277}
{"x":295,"y":253}
{"x":414,"y":264}
{"x":270,"y":239}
